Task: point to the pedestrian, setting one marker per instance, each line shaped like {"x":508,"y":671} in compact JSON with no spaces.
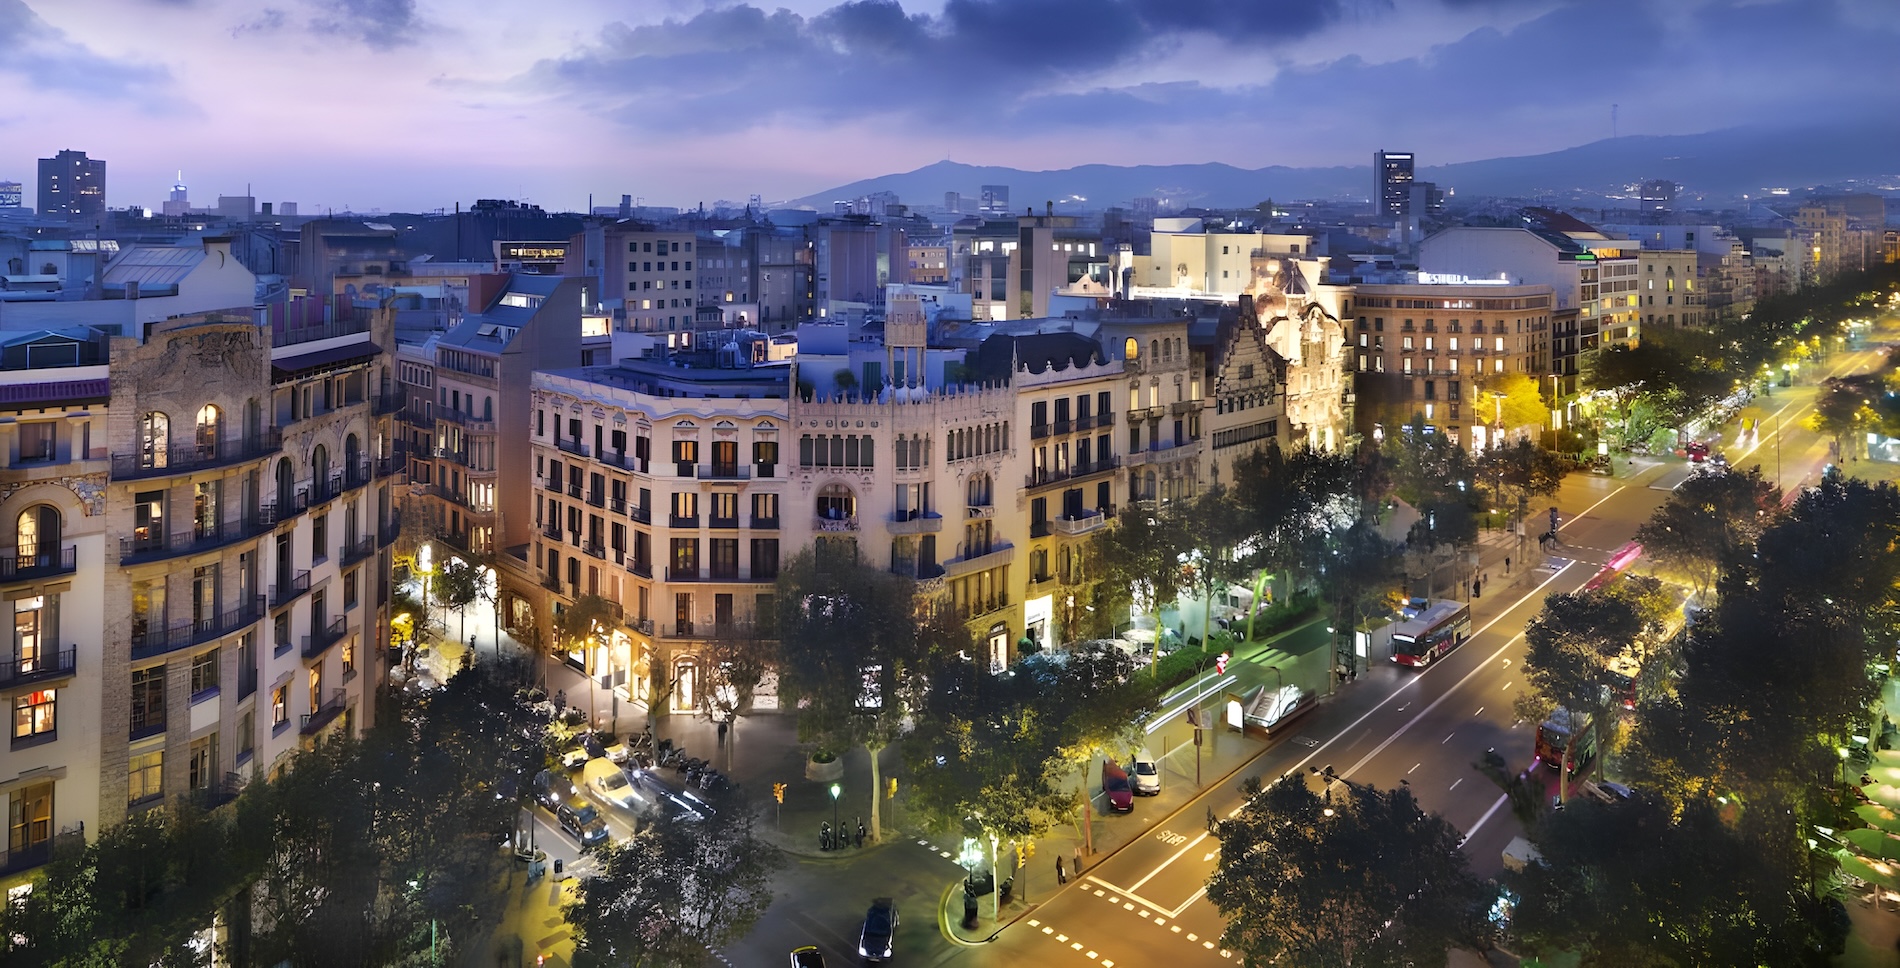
{"x":1475,"y":592}
{"x":1078,"y":860}
{"x":1062,"y":876}
{"x":1485,"y":579}
{"x":1507,"y":565}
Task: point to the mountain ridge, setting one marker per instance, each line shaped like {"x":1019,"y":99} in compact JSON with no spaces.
{"x":1719,"y":164}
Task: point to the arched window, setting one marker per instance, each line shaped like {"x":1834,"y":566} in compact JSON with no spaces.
{"x":36,"y":537}
{"x":286,"y":487}
{"x":836,"y":503}
{"x":253,"y":420}
{"x":319,"y":467}
{"x":210,"y":428}
{"x":155,"y":440}
{"x":352,"y":453}
{"x":1131,"y":349}
{"x":1154,"y":348}
{"x":488,"y":408}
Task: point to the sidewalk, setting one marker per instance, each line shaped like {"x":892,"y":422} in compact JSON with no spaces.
{"x":1301,"y":658}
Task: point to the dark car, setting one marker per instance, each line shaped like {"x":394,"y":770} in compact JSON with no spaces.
{"x":580,"y":819}
{"x":1116,"y":788}
{"x":807,"y":957}
{"x":662,"y":798}
{"x":880,"y":924}
{"x":550,"y":790}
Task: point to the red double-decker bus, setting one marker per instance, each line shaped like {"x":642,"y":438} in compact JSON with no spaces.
{"x":1432,"y":633}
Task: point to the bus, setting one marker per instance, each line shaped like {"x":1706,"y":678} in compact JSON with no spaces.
{"x":1553,"y":739}
{"x":1618,"y":563}
{"x":1432,"y":633}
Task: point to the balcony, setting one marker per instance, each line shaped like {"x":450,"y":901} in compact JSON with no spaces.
{"x":981,"y":512}
{"x":1039,"y":529}
{"x":970,"y":611}
{"x":765,"y":524}
{"x":552,"y":532}
{"x":141,"y":549}
{"x":218,"y":793}
{"x":466,"y":421}
{"x":597,"y":499}
{"x":388,"y":401}
{"x":645,"y":626}
{"x":711,"y":575}
{"x":361,"y":548}
{"x":289,"y":588}
{"x":622,"y":460}
{"x":1063,"y":427}
{"x":324,"y":714}
{"x":914,"y":521}
{"x":28,"y":856}
{"x":551,"y":583}
{"x":1044,"y":476}
{"x":682,"y":629}
{"x":642,"y":568}
{"x":1038,"y":431}
{"x":190,"y":459}
{"x":390,"y":530}
{"x":396,"y":463}
{"x":617,"y":505}
{"x":594,"y":549}
{"x":1081,"y":524}
{"x":843,"y":523}
{"x":18,"y":567}
{"x":731,"y":523}
{"x":1105,"y":419}
{"x":723,"y":472}
{"x":156,"y":642}
{"x":999,"y":553}
{"x":419,"y":417}
{"x":640,"y":513}
{"x":1181,"y":407}
{"x":46,"y":667}
{"x":320,"y":640}
{"x":681,"y":521}
{"x":574,"y":447}
{"x":324,"y":489}
{"x":1085,"y":422}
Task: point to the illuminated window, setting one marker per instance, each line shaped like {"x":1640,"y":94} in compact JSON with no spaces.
{"x":34,"y":714}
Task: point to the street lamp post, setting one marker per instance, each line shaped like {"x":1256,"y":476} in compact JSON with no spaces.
{"x":836,"y":789}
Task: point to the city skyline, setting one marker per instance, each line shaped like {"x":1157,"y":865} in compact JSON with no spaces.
{"x":692,"y":102}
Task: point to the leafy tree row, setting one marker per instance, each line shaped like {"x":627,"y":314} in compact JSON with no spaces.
{"x":345,"y":857}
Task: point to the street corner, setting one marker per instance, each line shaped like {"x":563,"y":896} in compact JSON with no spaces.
{"x":953,"y":916}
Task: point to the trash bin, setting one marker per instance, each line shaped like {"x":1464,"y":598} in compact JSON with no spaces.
{"x":969,"y":909}
{"x":1008,"y":886}
{"x":557,"y":868}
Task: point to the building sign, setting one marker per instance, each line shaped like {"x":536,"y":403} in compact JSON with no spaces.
{"x":530,"y":251}
{"x":1456,"y":279}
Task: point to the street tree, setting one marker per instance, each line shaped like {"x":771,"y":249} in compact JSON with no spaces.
{"x":1359,"y":570}
{"x":1844,"y":408}
{"x":1569,"y":648}
{"x":458,"y":584}
{"x":1709,"y":522}
{"x":577,"y":626}
{"x":1142,"y":553}
{"x":1639,"y":883}
{"x":1103,"y":707}
{"x":1357,"y":877}
{"x":1216,"y":533}
{"x":1513,"y":402}
{"x":1288,"y":506}
{"x":848,"y":642}
{"x":1520,"y":471}
{"x":733,"y":663}
{"x":675,"y":889}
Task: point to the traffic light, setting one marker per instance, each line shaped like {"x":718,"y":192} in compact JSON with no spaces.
{"x":778,"y":792}
{"x":1022,"y":859}
{"x":890,"y":788}
{"x":1029,"y":849}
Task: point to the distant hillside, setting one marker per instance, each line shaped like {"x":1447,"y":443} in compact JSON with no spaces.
{"x":1716,"y":164}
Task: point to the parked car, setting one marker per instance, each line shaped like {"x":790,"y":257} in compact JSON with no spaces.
{"x":574,"y":757}
{"x":618,"y":753}
{"x":582,"y":821}
{"x":658,"y":797}
{"x":590,"y":742}
{"x":880,"y":925}
{"x":1147,"y":774}
{"x":808,"y":957}
{"x":1116,"y":788}
{"x":610,"y":783}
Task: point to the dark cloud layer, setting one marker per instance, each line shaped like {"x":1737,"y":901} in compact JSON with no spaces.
{"x":47,"y":59}
{"x":378,"y":23}
{"x":994,"y":71}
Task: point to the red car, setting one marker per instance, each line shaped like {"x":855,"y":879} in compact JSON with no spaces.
{"x":1116,"y":788}
{"x":1698,"y":451}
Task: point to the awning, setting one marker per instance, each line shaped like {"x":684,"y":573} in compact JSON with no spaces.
{"x":303,"y":363}
{"x":1873,"y":844}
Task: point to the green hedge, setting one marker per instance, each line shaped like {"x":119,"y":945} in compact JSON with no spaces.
{"x":1281,"y":615}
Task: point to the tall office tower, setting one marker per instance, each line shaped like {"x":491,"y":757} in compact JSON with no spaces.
{"x":953,"y":202}
{"x":1392,"y":183}
{"x":179,"y":203}
{"x":72,"y":185}
{"x":995,"y":200}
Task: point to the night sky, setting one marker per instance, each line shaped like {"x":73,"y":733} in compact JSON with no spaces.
{"x":416,"y":104}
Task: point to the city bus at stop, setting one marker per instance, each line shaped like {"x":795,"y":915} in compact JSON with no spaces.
{"x":1430,"y":634}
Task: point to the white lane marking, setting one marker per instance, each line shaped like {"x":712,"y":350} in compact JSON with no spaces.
{"x":1420,"y":678}
{"x":1447,"y":738}
{"x":1480,"y":711}
{"x":1481,"y":820}
{"x":1062,"y":937}
{"x":1091,"y":955}
{"x":1194,"y":937}
{"x":1175,"y":928}
{"x":1033,"y":922}
{"x":1454,"y":783}
{"x":1190,"y":845}
{"x":1508,"y":685}
{"x":1210,"y":855}
{"x":1586,"y":511}
{"x":1414,"y":769}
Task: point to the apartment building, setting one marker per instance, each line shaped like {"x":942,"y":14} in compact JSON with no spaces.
{"x":929,"y":263}
{"x":1669,"y":289}
{"x":1161,"y":404}
{"x":1426,"y":347}
{"x":658,"y":487}
{"x":201,"y":527}
{"x":1187,"y":254}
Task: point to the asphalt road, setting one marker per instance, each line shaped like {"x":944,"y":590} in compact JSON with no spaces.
{"x":1146,"y":904}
